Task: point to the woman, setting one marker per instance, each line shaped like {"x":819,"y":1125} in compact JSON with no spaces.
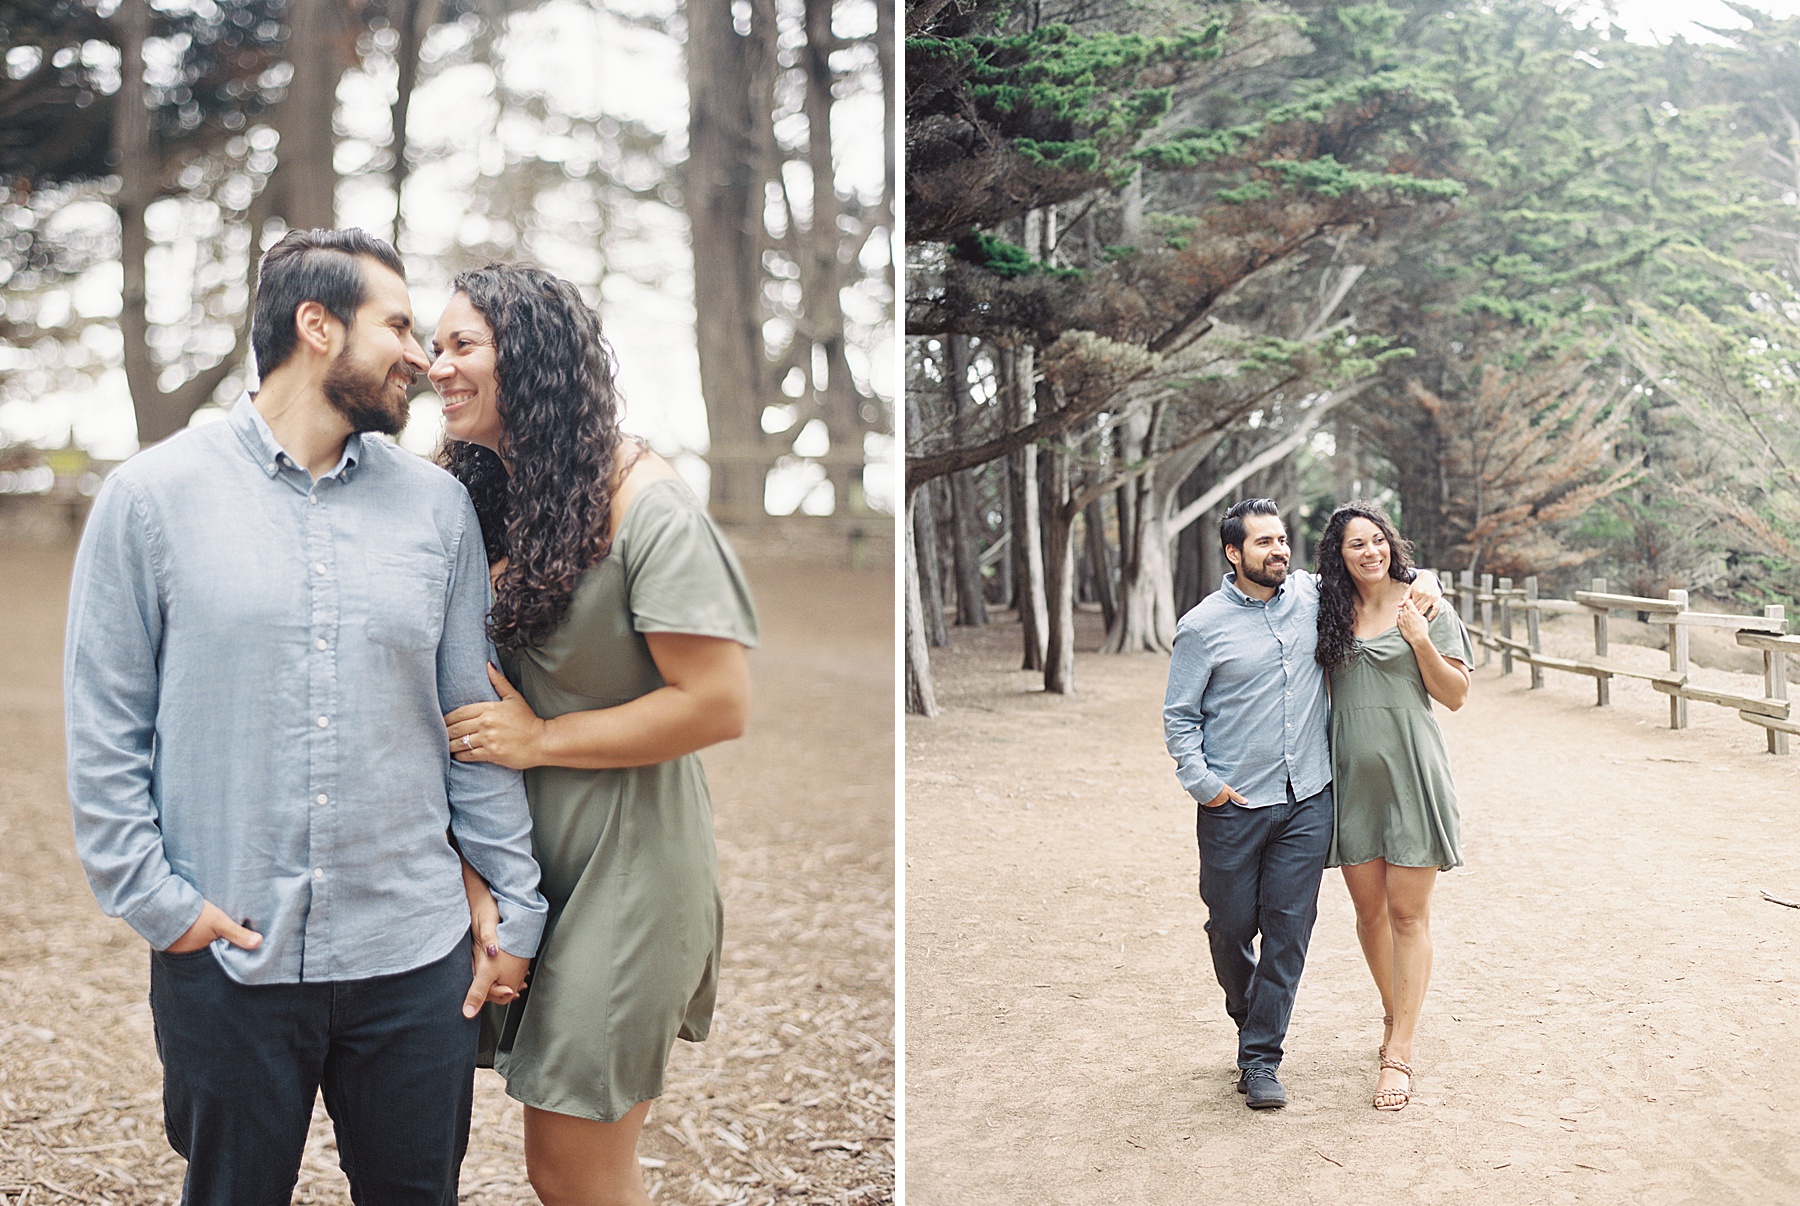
{"x":622,"y":620}
{"x":1396,"y":825}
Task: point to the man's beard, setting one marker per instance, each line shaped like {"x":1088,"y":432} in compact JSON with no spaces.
{"x":1264,"y":576}
{"x":364,"y":405}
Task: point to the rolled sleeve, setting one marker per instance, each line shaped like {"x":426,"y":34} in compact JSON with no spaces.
{"x":1190,"y":670}
{"x":488,"y":812}
{"x":110,"y":691}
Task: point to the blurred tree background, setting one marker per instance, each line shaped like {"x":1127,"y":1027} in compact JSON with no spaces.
{"x":1530,"y":283}
{"x":710,"y":175}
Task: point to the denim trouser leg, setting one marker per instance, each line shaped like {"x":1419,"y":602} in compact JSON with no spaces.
{"x":242,"y":1064}
{"x":1259,"y":873}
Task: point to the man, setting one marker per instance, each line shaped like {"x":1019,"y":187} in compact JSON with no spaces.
{"x":268,"y":619}
{"x":1245,"y":719}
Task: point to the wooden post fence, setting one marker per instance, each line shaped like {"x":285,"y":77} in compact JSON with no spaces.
{"x":1767,"y":633}
{"x":1506,"y":634}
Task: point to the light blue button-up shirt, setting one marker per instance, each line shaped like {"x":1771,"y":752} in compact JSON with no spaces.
{"x":255,"y":677}
{"x":1246,"y":704}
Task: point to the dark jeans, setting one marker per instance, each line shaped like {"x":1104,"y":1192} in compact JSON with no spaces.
{"x":242,"y":1064}
{"x":1259,"y":873}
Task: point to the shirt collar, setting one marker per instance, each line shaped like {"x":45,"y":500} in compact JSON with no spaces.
{"x":1230,"y":587}
{"x":258,"y":439}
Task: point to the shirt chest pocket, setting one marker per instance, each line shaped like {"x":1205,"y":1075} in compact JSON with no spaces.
{"x":406,"y":599}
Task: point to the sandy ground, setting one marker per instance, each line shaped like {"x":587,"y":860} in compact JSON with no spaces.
{"x":792,"y":1097}
{"x":1612,"y":1016}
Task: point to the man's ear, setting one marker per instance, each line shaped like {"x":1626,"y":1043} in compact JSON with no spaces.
{"x":313,"y":325}
{"x":1229,"y":559}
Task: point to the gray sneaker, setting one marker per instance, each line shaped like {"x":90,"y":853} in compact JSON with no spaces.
{"x":1261,"y":1090}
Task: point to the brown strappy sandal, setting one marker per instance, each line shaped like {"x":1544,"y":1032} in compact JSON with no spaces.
{"x":1392,"y":1101}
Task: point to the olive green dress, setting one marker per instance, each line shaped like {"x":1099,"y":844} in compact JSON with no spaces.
{"x":1390,"y":772}
{"x":630,"y":955}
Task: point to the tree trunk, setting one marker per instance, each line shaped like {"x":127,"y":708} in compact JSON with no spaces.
{"x":890,"y":108}
{"x":921,"y":699}
{"x":943,"y":518}
{"x":730,"y":90}
{"x":1059,"y":577}
{"x":416,"y":18}
{"x":925,"y":552}
{"x":1192,"y":567}
{"x":1099,"y":550}
{"x":1028,"y":548}
{"x":971,"y":601}
{"x":305,"y":181}
{"x":1147,"y":588}
{"x":1003,"y":563}
{"x":1212,"y":555}
{"x":135,"y":160}
{"x":965,"y":522}
{"x":824,"y":281}
{"x":159,"y":413}
{"x":1296,"y":526}
{"x":1147,"y":615}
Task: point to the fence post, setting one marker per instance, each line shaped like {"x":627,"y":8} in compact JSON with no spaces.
{"x":1505,"y":625}
{"x":1678,"y":662}
{"x":1487,"y":619}
{"x":1775,"y":679}
{"x":1531,"y":630}
{"x":1602,"y":684}
{"x":1465,"y":597}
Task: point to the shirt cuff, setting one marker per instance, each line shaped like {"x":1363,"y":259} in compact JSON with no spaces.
{"x":1205,"y":787}
{"x":520,"y":933}
{"x":169,"y":912}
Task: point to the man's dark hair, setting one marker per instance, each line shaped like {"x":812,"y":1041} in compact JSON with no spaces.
{"x":1231,"y":527}
{"x":311,"y":265}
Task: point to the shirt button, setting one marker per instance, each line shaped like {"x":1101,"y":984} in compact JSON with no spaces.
{"x":322,"y":643}
{"x":321,"y":798}
{"x":323,"y":722}
{"x":318,"y":873}
{"x":313,"y":499}
{"x":318,"y":567}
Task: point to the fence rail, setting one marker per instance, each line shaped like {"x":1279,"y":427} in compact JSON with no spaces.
{"x":1490,"y":610}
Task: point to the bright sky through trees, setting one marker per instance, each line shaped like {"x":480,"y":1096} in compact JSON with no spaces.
{"x":1663,"y":19}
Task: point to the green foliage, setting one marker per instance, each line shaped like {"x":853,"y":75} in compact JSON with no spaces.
{"x":1081,"y":155}
{"x":1327,"y":177}
{"x":1088,"y":85}
{"x":1176,"y":230}
{"x":1007,"y":260}
{"x":1002,"y":121}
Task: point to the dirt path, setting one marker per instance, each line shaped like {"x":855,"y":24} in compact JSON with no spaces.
{"x":1612,"y":1016}
{"x":790,"y":1098}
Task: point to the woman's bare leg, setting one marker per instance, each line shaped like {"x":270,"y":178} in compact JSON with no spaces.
{"x":579,"y":1162}
{"x":1409,"y":914}
{"x":1368,"y":884}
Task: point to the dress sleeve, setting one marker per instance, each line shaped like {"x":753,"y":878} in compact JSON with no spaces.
{"x":1451,"y":638}
{"x":680,"y":575}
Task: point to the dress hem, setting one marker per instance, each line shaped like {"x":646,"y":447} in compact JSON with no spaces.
{"x":588,"y":1114}
{"x":1357,"y":862}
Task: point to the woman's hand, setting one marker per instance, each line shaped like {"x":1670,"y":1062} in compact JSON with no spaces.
{"x":1413,"y":625}
{"x":494,"y":975}
{"x":1446,"y":679}
{"x":506,"y":731}
{"x":1426,"y":594}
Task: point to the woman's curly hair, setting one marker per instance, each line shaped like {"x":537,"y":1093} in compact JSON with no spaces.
{"x":551,"y":517}
{"x":1337,"y":592}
